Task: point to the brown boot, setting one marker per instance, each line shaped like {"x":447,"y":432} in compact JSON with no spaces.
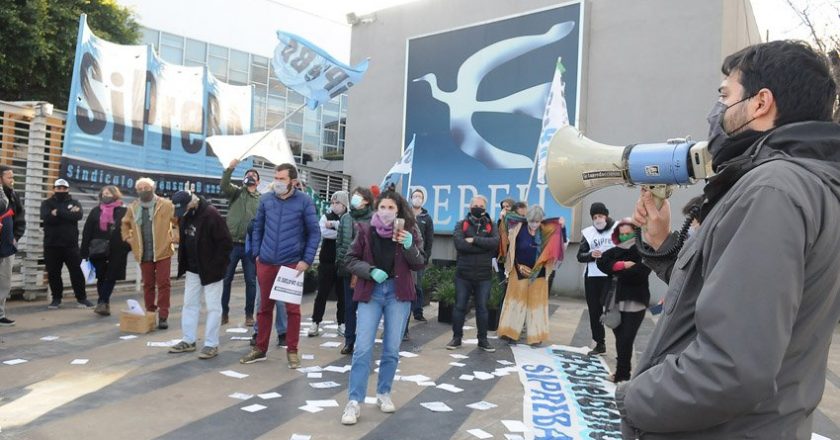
{"x":102,"y":309}
{"x":224,"y":318}
{"x":294,"y":359}
{"x":249,"y":320}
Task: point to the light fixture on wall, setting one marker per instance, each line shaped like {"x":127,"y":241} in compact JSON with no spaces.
{"x":353,"y":19}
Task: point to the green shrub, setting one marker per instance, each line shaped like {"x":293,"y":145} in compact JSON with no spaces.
{"x":497,"y":293}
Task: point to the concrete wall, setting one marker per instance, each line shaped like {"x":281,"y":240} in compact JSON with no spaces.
{"x":650,"y":72}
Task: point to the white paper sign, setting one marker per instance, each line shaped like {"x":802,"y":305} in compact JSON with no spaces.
{"x":436,"y":406}
{"x":288,"y":286}
{"x":480,"y":433}
{"x":253,"y":408}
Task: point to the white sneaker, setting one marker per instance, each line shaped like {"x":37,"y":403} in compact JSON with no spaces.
{"x":385,"y":403}
{"x":351,"y":413}
{"x":314,"y":329}
{"x":340,"y":329}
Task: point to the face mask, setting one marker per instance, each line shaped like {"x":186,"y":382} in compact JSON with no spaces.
{"x":338,"y":209}
{"x":387,"y":217}
{"x":476,"y":211}
{"x":107,"y":199}
{"x":146,"y":196}
{"x":249,"y":181}
{"x":281,"y":189}
{"x":356,"y":201}
{"x":717,"y":133}
{"x":416,"y":202}
{"x":62,"y":196}
{"x":599,"y":224}
{"x":624,"y":237}
{"x":534,"y":225}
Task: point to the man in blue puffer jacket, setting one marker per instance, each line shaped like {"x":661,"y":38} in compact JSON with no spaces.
{"x":286,"y":233}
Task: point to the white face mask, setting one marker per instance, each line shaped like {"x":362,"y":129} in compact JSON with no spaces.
{"x":599,"y":224}
{"x":281,"y":189}
{"x":416,"y":202}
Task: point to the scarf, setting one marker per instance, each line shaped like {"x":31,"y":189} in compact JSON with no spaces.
{"x":384,"y":231}
{"x":548,"y":239}
{"x":106,"y":215}
{"x":627,"y":244}
{"x":138,"y":213}
{"x":358,"y":214}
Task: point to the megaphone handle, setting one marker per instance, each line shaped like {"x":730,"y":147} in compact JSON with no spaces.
{"x":660,"y":193}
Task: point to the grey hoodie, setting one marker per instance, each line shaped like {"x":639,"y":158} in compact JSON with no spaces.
{"x":741,"y":348}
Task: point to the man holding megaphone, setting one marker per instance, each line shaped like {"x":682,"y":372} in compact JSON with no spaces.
{"x":753,"y":298}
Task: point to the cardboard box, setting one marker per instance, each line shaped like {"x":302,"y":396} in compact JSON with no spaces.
{"x":137,"y":324}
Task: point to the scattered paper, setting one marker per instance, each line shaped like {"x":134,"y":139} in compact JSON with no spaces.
{"x":482,"y":405}
{"x":337,"y":369}
{"x":134,"y":308}
{"x":515,"y":426}
{"x":234,"y":374}
{"x":241,"y":396}
{"x":377,"y":341}
{"x":314,"y":375}
{"x":457,"y":364}
{"x":331,"y":344}
{"x":330,"y":335}
{"x":308,"y":357}
{"x":331,"y":326}
{"x":480,"y":433}
{"x":426,"y":384}
{"x":49,"y":338}
{"x":311,"y":409}
{"x":459,"y":356}
{"x":240,"y":338}
{"x":79,"y":361}
{"x":480,"y":375}
{"x":312,"y":369}
{"x":323,"y":403}
{"x":466,"y":377}
{"x":300,"y":437}
{"x":470,"y":341}
{"x":327,"y":322}
{"x":254,"y":408}
{"x":436,"y":406}
{"x":416,"y":378}
{"x":449,"y":387}
{"x":370,"y":400}
{"x":324,"y":385}
{"x":169,"y":343}
{"x":468,"y":327}
{"x":408,"y":354}
{"x":504,"y":362}
{"x":514,"y":437}
{"x":815,"y":436}
{"x":500,"y":373}
{"x":127,"y":337}
{"x":237,"y":330}
{"x":15,"y":361}
{"x":271,"y":395}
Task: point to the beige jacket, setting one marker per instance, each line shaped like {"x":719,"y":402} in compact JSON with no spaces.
{"x":164,"y":227}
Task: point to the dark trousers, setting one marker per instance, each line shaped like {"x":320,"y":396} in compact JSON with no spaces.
{"x":249,"y":271}
{"x":417,"y":304}
{"x":595,"y":288}
{"x":54,"y":258}
{"x":625,"y":334}
{"x":350,"y":308}
{"x":104,"y":288}
{"x":463,"y":290}
{"x":328,"y":280}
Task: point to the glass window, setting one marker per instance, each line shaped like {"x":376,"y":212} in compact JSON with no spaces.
{"x":171,"y":40}
{"x":259,"y":69}
{"x":218,"y":67}
{"x":293,"y":131}
{"x":238,"y":78}
{"x":295,"y":99}
{"x":151,"y":36}
{"x":172,"y":54}
{"x":276,"y":104}
{"x":344,"y":103}
{"x":239,"y":61}
{"x":218,"y":51}
{"x":196,"y":51}
{"x":296,"y":118}
{"x":273,"y":118}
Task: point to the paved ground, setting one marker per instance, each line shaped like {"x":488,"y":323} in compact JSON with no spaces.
{"x":129,"y":390}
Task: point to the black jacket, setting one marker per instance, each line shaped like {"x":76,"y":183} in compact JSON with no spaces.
{"x":474,"y":262}
{"x":632,"y":283}
{"x":113,"y":266}
{"x":19,"y":221}
{"x":213,"y":243}
{"x":62,"y":229}
{"x":427,"y":229}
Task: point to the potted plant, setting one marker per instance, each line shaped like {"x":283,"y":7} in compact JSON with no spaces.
{"x":310,"y":279}
{"x":445,"y":295}
{"x":494,"y":303}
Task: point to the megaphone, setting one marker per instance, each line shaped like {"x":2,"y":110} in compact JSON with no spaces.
{"x":578,"y":166}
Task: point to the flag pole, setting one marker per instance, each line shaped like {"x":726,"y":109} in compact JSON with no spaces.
{"x":531,"y":177}
{"x":245,"y":154}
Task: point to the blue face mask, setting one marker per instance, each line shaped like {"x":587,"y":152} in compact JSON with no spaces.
{"x":356,"y":201}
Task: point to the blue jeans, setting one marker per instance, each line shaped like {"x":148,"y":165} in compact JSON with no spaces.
{"x":350,"y":307}
{"x":417,"y":304}
{"x":463,"y":290}
{"x":249,"y":269}
{"x":279,"y":317}
{"x":383,"y":303}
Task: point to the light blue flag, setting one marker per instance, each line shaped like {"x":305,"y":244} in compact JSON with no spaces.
{"x":308,"y":70}
{"x":404,"y":166}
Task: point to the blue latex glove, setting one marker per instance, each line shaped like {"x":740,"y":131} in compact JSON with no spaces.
{"x":378,"y":275}
{"x":408,"y":241}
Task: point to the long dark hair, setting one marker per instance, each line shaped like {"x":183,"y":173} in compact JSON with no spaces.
{"x":366,"y":194}
{"x":403,"y":211}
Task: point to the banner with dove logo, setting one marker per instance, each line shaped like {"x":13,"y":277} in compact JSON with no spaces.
{"x":476,"y":97}
{"x":310,"y":71}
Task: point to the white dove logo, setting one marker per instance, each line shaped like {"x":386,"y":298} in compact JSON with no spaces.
{"x":462,"y":101}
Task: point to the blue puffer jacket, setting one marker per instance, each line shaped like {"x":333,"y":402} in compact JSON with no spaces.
{"x":286,"y":231}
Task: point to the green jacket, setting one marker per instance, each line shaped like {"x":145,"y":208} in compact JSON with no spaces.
{"x":346,"y":234}
{"x":242,"y":209}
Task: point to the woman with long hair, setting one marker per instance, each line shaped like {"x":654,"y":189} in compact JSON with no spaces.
{"x":382,"y":256}
{"x":102,"y":244}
